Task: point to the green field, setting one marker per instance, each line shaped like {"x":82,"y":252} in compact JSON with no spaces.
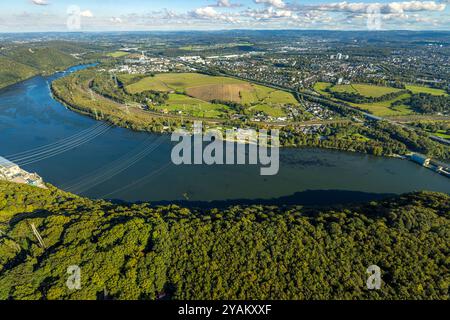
{"x":320,"y":87}
{"x":117,"y":54}
{"x":166,"y":82}
{"x":194,"y":92}
{"x":384,"y":108}
{"x":269,"y":110}
{"x":381,"y":108}
{"x":420,"y":89}
{"x":442,"y":134}
{"x":366,"y":90}
{"x":191,"y":106}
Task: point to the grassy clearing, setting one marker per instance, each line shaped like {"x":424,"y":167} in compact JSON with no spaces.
{"x":381,"y":108}
{"x":432,"y":91}
{"x":117,"y":54}
{"x":272,"y":111}
{"x":272,"y":96}
{"x":320,"y":87}
{"x":384,"y":108}
{"x":366,"y":90}
{"x":442,"y":134}
{"x":192,"y":106}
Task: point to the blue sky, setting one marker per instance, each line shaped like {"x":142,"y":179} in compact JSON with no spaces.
{"x":110,"y":15}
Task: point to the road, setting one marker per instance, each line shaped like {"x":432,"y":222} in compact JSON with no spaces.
{"x":343,"y":105}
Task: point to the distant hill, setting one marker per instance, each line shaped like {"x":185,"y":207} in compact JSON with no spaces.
{"x":12,"y":72}
{"x":21,"y":63}
{"x":46,"y":60}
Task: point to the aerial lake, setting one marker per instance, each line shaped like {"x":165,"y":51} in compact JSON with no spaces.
{"x":90,"y":158}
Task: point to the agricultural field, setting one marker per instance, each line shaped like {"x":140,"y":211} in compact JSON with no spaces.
{"x":320,"y":87}
{"x":180,"y":82}
{"x":192,"y":106}
{"x":117,"y":54}
{"x":420,"y":89}
{"x":442,"y":134}
{"x":271,"y":111}
{"x":366,"y":90}
{"x":198,"y":91}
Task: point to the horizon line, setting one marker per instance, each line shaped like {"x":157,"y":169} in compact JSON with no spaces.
{"x":221,"y":30}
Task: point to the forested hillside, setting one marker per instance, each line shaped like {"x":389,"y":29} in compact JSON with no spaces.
{"x":12,"y":72}
{"x":47,"y":60}
{"x":18,"y":64}
{"x":256,"y":252}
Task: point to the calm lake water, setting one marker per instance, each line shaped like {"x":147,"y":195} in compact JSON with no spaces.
{"x":121,"y":164}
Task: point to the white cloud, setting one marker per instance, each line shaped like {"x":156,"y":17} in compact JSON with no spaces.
{"x":274,"y":3}
{"x":206,"y":12}
{"x":226,"y":4}
{"x":40,"y":2}
{"x":87,"y":14}
{"x":210,"y":13}
{"x":116,"y":20}
{"x":385,"y":8}
{"x":270,"y":13}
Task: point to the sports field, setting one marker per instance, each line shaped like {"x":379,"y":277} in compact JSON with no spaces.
{"x":199,"y":90}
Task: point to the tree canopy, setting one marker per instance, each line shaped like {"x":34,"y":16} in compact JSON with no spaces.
{"x":138,"y":251}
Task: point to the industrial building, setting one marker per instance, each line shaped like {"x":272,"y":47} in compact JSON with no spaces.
{"x":11,"y":172}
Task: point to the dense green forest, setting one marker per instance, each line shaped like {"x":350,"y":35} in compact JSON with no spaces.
{"x":22,"y":62}
{"x":12,"y":72}
{"x":427,"y":103}
{"x":137,"y":251}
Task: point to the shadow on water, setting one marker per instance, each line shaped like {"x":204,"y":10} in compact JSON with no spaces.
{"x":305,"y":198}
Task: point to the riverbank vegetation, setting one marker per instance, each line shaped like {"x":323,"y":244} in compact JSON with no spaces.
{"x":100,"y":96}
{"x":376,"y":138}
{"x":136,"y":251}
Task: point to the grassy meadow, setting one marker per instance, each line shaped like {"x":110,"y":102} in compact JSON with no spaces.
{"x":192,"y":93}
{"x":380,"y":108}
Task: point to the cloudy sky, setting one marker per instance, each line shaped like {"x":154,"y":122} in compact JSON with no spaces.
{"x":112,"y":15}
